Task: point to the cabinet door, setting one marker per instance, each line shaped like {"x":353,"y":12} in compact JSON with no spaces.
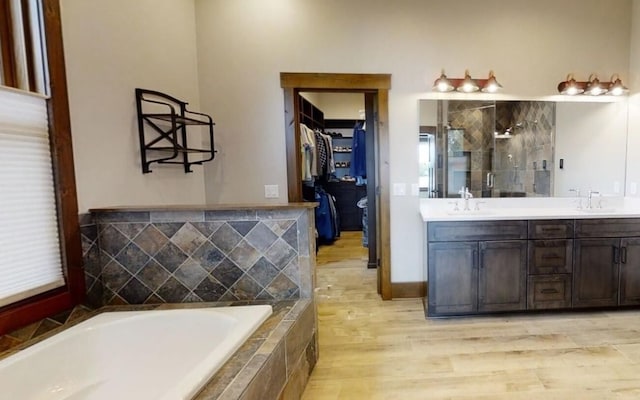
{"x":595,"y":273}
{"x":503,"y":276}
{"x":453,"y":278}
{"x":630,"y":272}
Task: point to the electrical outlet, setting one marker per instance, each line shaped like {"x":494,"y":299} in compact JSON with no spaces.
{"x":616,"y":187}
{"x":271,"y":191}
{"x":633,"y":188}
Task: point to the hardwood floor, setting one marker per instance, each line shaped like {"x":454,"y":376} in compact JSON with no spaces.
{"x":370,"y":349}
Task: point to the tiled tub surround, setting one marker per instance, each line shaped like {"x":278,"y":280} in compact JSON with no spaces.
{"x":274,"y":363}
{"x":194,"y":254}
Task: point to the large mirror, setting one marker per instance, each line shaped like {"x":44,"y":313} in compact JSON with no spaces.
{"x":521,"y":148}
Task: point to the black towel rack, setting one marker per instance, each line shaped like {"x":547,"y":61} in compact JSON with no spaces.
{"x":166,"y":140}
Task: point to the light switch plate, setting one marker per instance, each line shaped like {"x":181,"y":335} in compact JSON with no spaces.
{"x":399,"y":189}
{"x":633,"y":188}
{"x":271,"y":191}
{"x":616,"y":187}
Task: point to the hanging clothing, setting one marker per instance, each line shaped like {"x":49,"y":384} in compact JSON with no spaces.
{"x":321,"y":147}
{"x":327,"y":224}
{"x":308,"y":152}
{"x":358,"y":153}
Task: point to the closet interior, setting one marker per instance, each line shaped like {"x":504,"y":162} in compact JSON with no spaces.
{"x":334,"y":164}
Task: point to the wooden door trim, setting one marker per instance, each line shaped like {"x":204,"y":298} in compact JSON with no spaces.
{"x":292,"y":83}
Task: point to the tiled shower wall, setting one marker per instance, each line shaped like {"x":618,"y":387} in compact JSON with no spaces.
{"x":476,"y":119}
{"x":528,"y":172}
{"x":194,"y":256}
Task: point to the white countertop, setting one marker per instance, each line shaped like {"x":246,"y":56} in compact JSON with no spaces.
{"x":528,"y":208}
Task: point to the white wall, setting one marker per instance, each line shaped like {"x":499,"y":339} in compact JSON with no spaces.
{"x":591,"y":138}
{"x":633,"y":148}
{"x":341,"y":105}
{"x":112,"y":47}
{"x":243,"y":45}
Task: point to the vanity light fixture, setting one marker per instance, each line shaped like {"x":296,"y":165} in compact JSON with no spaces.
{"x":466,"y":84}
{"x":616,"y":87}
{"x":592,"y":87}
{"x":570,"y":86}
{"x":491,"y":85}
{"x":443,"y":84}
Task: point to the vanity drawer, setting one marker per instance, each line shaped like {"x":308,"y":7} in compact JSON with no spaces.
{"x":549,"y":291}
{"x":457,"y":231}
{"x":550,"y":256}
{"x":551,"y":229}
{"x":606,"y":228}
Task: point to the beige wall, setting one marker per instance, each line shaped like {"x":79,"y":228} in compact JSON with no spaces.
{"x":530,"y":45}
{"x":243,"y":45}
{"x":633,"y":148}
{"x":112,"y":47}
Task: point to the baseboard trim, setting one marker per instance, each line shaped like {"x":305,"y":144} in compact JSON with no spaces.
{"x":408,"y":290}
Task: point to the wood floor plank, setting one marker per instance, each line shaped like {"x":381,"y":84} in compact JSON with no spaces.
{"x":370,"y":349}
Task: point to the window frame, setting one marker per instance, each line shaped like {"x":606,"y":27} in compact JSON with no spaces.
{"x":64,"y":298}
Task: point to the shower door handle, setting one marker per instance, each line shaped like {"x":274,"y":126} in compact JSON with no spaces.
{"x":490,"y":179}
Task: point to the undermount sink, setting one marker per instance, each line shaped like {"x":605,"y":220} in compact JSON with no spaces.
{"x":468,"y":212}
{"x":598,"y":210}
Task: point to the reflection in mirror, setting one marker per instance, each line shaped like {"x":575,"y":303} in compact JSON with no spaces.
{"x":493,"y":148}
{"x":521,"y":148}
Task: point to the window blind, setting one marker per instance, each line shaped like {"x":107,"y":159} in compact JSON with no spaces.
{"x":30,"y":259}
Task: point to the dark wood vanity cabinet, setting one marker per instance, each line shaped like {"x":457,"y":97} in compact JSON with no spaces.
{"x":502,"y":280}
{"x":607,"y":263}
{"x":495,"y":266}
{"x":550,"y":264}
{"x":472,"y":268}
{"x":453,"y":278}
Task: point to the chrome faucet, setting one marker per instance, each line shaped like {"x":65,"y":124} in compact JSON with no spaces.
{"x":591,"y":193}
{"x":465,"y":194}
{"x":579,"y":201}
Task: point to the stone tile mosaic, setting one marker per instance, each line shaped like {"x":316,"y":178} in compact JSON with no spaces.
{"x":210,"y":289}
{"x":209,"y":256}
{"x":207,"y":228}
{"x":227,"y":273}
{"x":131,"y":230}
{"x":261,"y":237}
{"x":190,"y":274}
{"x":134,"y":292}
{"x":153,"y":275}
{"x":223,"y":256}
{"x":246,"y":288}
{"x":132,"y":258}
{"x":172,"y":291}
{"x":168,"y":228}
{"x":280,"y":254}
{"x":188,"y":238}
{"x":244,"y":255}
{"x":226,"y":238}
{"x":170,"y":257}
{"x":243,"y":227}
{"x":151,"y":240}
{"x":263,"y":272}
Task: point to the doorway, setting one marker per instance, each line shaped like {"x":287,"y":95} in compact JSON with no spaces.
{"x":375,"y":88}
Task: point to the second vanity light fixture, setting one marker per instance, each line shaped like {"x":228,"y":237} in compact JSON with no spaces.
{"x":466,"y":84}
{"x":592,"y":87}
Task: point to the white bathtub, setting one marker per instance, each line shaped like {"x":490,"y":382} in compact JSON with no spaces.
{"x":138,"y":355}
